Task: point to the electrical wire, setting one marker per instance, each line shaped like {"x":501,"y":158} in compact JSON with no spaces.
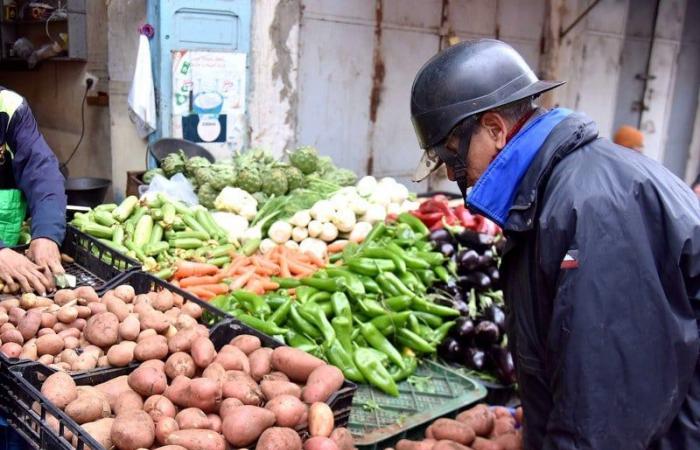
{"x":82,"y":129}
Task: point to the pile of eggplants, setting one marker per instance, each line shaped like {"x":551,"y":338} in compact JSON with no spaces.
{"x":478,"y":340}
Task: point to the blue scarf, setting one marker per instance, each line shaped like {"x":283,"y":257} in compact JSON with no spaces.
{"x":494,"y":193}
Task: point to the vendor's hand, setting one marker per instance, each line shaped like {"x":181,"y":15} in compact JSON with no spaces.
{"x":16,"y":268}
{"x":45,"y":254}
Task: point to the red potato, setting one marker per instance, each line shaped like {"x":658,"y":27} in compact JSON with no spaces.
{"x":163,"y":301}
{"x":510,"y":441}
{"x":294,"y":363}
{"x":98,"y":397}
{"x":83,"y":312}
{"x":205,"y":394}
{"x":133,"y":430}
{"x":260,"y":363}
{"x":96,"y":308}
{"x":203,"y":352}
{"x":322,"y":382}
{"x":247,"y":343}
{"x":68,"y":356}
{"x":179,"y":391}
{"x":289,"y":410}
{"x":321,"y":421}
{"x":501,"y":412}
{"x":426,"y":444}
{"x":146,"y":334}
{"x":29,"y":325}
{"x":503,"y":425}
{"x":277,"y":438}
{"x":46,"y":360}
{"x":320,"y":443}
{"x":93,"y":350}
{"x":85,"y":408}
{"x":155,"y":363}
{"x":233,"y":359}
{"x":44,"y":331}
{"x":215,"y":422}
{"x":49,"y":344}
{"x":48,"y":320}
{"x":16,"y":314}
{"x":70,"y":332}
{"x":244,"y":425}
{"x":147,"y":381}
{"x":183,"y":321}
{"x":128,"y":401}
{"x":114,"y":388}
{"x":60,"y":389}
{"x":178,"y":301}
{"x":197,"y":440}
{"x":180,"y":363}
{"x":153,"y":319}
{"x":67,"y":314}
{"x":449,"y":445}
{"x":130,"y":328}
{"x":159,"y":407}
{"x":86,"y":294}
{"x":479,"y":418}
{"x":120,"y":355}
{"x":164,"y":428}
{"x":142,"y":308}
{"x":12,"y":335}
{"x":102,"y":329}
{"x":70,"y":342}
{"x":273,"y":388}
{"x":171,"y":447}
{"x":63,"y":296}
{"x":29,"y":351}
{"x":4,"y":318}
{"x":182,"y":341}
{"x":100,"y":430}
{"x":125,"y":293}
{"x":247,"y":394}
{"x":154,"y":347}
{"x":192,"y":418}
{"x":228,"y":405}
{"x":343,"y":439}
{"x":85,"y":361}
{"x":481,"y":443}
{"x":7,"y":326}
{"x":453,"y":430}
{"x":192,"y":309}
{"x":78,"y":323}
{"x":216,"y":372}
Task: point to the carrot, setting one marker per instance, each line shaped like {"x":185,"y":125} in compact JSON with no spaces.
{"x":217,"y":288}
{"x":189,"y":269}
{"x":204,"y":294}
{"x":269,"y":285}
{"x":195,"y":281}
{"x":337,"y":246}
{"x":284,"y":268}
{"x":315,"y":259}
{"x":297,"y":267}
{"x":265,"y":272}
{"x":267,"y":263}
{"x":235,"y":265}
{"x":255,"y":286}
{"x":242,"y":279}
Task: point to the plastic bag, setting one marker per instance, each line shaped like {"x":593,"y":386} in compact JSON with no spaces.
{"x":176,"y":188}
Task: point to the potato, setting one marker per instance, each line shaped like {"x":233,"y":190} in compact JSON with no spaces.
{"x":142,"y":308}
{"x":485,"y":444}
{"x":85,"y":361}
{"x":78,"y":323}
{"x":479,"y":418}
{"x":156,"y":363}
{"x":153,"y":319}
{"x":12,"y":335}
{"x":192,"y":418}
{"x":93,"y":350}
{"x":117,"y":307}
{"x":247,"y":343}
{"x":147,"y":381}
{"x":228,"y":405}
{"x":133,"y":430}
{"x":98,"y":396}
{"x":170,"y":332}
{"x":70,"y":342}
{"x":101,"y":431}
{"x":86,"y":294}
{"x":203,"y":352}
{"x":178,"y":301}
{"x":215,"y":371}
{"x":503,"y":425}
{"x":449,"y":445}
{"x":125,"y":292}
{"x":171,"y":447}
{"x":320,"y":443}
{"x":233,"y":359}
{"x":452,"y":430}
{"x":45,"y":331}
{"x":59,"y":388}
{"x":128,"y":401}
{"x":294,"y":363}
{"x":4,"y":318}
{"x":192,"y":309}
{"x":70,"y":332}
{"x":322,"y":382}
{"x":9,"y":303}
{"x":48,"y":320}
{"x":83,"y":312}
{"x":277,"y":438}
{"x":183,"y":321}
{"x":46,"y":360}
{"x":67,"y":314}
{"x":102,"y":329}
{"x":163,"y":301}
{"x":501,"y":411}
{"x":179,"y":391}
{"x":321,"y":421}
{"x":96,"y":308}
{"x":245,"y":424}
{"x":154,"y":347}
{"x":16,"y":314}
{"x":272,"y":389}
{"x":164,"y":427}
{"x":343,"y":439}
{"x":260,"y":363}
{"x":510,"y":441}
{"x":214,"y":422}
{"x":68,"y":356}
{"x":85,"y":408}
{"x":120,"y":355}
{"x":49,"y":344}
{"x":180,"y":363}
{"x":146,"y":334}
{"x":159,"y":407}
{"x":29,"y":351}
{"x":182,"y":341}
{"x":519,"y":414}
{"x":245,"y":392}
{"x":289,"y":410}
{"x":197,"y":440}
{"x":7,"y":326}
{"x":29,"y":324}
{"x":205,"y":394}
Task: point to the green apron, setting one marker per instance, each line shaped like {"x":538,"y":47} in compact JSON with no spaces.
{"x":13,"y":207}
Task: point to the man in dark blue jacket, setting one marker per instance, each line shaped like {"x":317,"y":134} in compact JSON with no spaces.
{"x":601,"y":271}
{"x":28,"y":174}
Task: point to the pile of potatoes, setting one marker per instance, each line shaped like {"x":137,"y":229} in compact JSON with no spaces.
{"x":478,"y":428}
{"x":200,"y":399}
{"x":113,"y":330}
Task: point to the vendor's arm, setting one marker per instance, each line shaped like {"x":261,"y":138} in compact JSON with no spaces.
{"x":36,"y":172}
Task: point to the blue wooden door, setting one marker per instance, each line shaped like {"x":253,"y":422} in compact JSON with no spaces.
{"x":219,"y":25}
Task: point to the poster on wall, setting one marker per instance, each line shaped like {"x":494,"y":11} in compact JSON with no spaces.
{"x":208,"y":103}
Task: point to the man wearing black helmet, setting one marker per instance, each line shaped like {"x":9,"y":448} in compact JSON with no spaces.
{"x":602,"y":266}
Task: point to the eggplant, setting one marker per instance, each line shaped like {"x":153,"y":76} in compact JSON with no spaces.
{"x":474,"y":358}
{"x":478,"y":280}
{"x":477,"y":241}
{"x":440,"y":236}
{"x":485,"y":259}
{"x":463,"y":329}
{"x":447,"y":249}
{"x":494,"y":274}
{"x":450,"y":349}
{"x":500,"y":246}
{"x":502,"y":362}
{"x":486,"y":333}
{"x":467,"y":260}
{"x":497,"y":316}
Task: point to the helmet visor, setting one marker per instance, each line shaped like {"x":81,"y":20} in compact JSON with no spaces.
{"x":429,"y":163}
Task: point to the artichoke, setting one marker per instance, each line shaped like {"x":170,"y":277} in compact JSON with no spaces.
{"x":224,"y":176}
{"x":173,"y":163}
{"x":249,"y":180}
{"x":305,"y":159}
{"x":204,"y":175}
{"x":342,"y":177}
{"x":325,"y":164}
{"x":207,"y":194}
{"x":149,"y":174}
{"x":274,"y":182}
{"x":194,"y":163}
{"x":295,"y":178}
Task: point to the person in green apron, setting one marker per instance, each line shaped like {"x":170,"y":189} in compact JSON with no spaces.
{"x":30,"y":182}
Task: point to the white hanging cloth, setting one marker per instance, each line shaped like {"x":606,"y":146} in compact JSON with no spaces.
{"x":142,"y":97}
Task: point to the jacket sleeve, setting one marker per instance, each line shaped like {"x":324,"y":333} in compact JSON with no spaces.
{"x":35,"y":168}
{"x":623,"y":338}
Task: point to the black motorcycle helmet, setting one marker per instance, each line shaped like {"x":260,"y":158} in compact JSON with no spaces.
{"x":458,"y":83}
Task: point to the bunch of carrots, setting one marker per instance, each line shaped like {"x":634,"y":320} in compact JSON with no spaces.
{"x":252,"y":273}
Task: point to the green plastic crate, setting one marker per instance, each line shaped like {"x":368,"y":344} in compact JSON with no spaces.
{"x":378,"y":421}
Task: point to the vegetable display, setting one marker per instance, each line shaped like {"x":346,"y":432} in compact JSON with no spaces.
{"x":438,"y":213}
{"x":201,"y":398}
{"x":370,"y":314}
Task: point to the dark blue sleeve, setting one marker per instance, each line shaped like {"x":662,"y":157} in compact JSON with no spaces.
{"x":35,"y":168}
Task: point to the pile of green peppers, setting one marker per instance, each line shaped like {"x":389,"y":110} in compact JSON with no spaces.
{"x":368,"y":315}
